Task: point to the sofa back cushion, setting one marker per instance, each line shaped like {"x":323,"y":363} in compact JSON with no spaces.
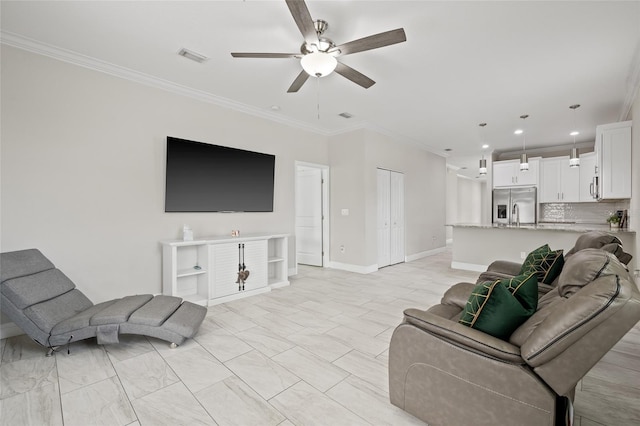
{"x":16,"y":264}
{"x":586,"y":266}
{"x":31,"y":289}
{"x":592,"y":239}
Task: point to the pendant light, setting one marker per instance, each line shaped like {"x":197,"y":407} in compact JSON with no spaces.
{"x":574,"y":157}
{"x":482,"y":170}
{"x":524,"y":160}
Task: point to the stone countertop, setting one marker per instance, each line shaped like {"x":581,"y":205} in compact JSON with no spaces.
{"x":549,"y":226}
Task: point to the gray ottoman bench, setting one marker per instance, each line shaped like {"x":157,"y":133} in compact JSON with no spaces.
{"x":48,"y":307}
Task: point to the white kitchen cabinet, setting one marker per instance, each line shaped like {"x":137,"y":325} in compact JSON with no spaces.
{"x":587,"y":177}
{"x":507,"y":173}
{"x":613,"y":159}
{"x":205,"y":271}
{"x":559,"y":183}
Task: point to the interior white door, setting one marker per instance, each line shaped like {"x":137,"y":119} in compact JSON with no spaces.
{"x":309,"y":215}
{"x":384,"y":218}
{"x":396,"y":236}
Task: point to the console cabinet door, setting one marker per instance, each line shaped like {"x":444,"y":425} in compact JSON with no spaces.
{"x":226,"y":259}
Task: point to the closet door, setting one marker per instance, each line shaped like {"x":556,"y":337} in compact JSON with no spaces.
{"x":384,"y":217}
{"x":396,"y":237}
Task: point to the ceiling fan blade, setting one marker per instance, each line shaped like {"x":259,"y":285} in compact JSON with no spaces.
{"x":372,"y":42}
{"x":265,"y":55}
{"x":353,"y":75}
{"x":298,"y":82}
{"x":303,"y":19}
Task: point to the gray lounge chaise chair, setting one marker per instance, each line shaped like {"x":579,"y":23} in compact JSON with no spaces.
{"x":48,"y":307}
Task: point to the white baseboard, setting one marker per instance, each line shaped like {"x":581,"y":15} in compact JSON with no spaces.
{"x":9,"y":329}
{"x":422,"y":254}
{"x":469,"y":266}
{"x":353,"y":268}
{"x":237,"y":296}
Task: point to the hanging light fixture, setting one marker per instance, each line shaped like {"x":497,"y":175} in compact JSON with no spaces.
{"x":574,"y":157}
{"x":524,"y":160}
{"x":482,"y":170}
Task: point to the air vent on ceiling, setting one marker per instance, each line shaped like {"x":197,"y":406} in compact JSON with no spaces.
{"x":345,"y":115}
{"x":189,"y":54}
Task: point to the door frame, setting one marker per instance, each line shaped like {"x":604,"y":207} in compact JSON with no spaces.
{"x":325,"y":209}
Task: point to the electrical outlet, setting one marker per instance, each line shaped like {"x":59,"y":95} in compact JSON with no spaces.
{"x":341,"y":249}
{"x":523,"y":255}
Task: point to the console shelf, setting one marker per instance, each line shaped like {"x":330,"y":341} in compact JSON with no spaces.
{"x":205,"y":271}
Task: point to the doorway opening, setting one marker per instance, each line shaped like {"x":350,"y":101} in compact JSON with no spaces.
{"x":312,"y":214}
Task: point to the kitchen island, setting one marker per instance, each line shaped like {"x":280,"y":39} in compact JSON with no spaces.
{"x":475,"y":246}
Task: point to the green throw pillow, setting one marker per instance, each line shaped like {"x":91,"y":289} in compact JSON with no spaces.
{"x":499,"y":307}
{"x":546,"y":263}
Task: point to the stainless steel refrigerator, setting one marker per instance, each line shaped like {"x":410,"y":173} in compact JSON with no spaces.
{"x":513,"y":204}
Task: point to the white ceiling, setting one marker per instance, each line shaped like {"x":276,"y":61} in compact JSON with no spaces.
{"x":463,"y":62}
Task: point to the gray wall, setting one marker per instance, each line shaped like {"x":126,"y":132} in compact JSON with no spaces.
{"x":82,"y":175}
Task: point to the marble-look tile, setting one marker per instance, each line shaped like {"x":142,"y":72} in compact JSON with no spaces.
{"x":588,"y":422}
{"x":247,"y":308}
{"x":365,"y":367}
{"x":370,"y":403}
{"x":198,"y":369}
{"x":84,"y":365}
{"x":384,"y":318}
{"x":615,"y":374}
{"x":316,"y":371}
{"x":233,"y":402}
{"x":320,"y":344}
{"x":275,"y":307}
{"x":164,"y":348}
{"x":173,"y":405}
{"x":102,"y":403}
{"x":130,"y":346}
{"x":209,"y":325}
{"x":3,"y":343}
{"x":279,"y":325}
{"x":313,"y":321}
{"x":607,"y":403}
{"x":21,"y":347}
{"x":265,"y":376}
{"x":305,"y":405}
{"x":39,"y":406}
{"x":265,"y":341}
{"x":222,"y":344}
{"x":384,"y":357}
{"x":144,"y":374}
{"x":321,"y":308}
{"x":364,"y":326}
{"x":286,"y":423}
{"x":359,"y":341}
{"x":233,"y":321}
{"x":22,"y":376}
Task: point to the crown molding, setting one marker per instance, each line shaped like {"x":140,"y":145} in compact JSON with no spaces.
{"x":75,"y":58}
{"x":37,"y":47}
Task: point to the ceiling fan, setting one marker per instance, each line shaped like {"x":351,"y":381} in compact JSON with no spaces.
{"x":318,"y":54}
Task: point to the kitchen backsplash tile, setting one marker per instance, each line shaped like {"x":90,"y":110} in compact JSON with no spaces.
{"x":579,"y":212}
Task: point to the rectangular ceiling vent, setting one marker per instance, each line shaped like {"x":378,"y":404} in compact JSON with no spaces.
{"x":345,"y":115}
{"x":189,"y":54}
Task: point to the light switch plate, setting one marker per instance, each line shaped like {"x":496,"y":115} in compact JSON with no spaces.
{"x":345,"y":212}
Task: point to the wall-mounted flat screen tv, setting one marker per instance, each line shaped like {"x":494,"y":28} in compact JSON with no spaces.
{"x":201,"y":177}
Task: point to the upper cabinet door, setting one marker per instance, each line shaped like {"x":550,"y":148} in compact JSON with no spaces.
{"x":613,"y":150}
{"x":507,"y":173}
{"x":587,"y":177}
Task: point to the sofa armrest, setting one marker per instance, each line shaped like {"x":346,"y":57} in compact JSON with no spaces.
{"x":464,"y":336}
{"x":505,"y":267}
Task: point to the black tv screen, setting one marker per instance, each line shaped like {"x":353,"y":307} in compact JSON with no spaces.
{"x":201,"y":177}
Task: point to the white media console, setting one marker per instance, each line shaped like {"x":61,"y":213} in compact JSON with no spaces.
{"x":205,"y":271}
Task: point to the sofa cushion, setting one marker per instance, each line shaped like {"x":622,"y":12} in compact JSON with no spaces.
{"x":617,"y":251}
{"x":592,"y":239}
{"x":586,"y":266}
{"x":24,"y":262}
{"x":49,"y":313}
{"x":546,"y":263}
{"x":31,"y":289}
{"x":498,"y":308}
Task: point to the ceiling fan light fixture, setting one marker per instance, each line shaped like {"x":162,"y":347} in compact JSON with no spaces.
{"x":318,"y":64}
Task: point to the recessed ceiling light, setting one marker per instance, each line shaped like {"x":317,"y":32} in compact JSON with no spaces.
{"x":274,"y":108}
{"x":345,"y":115}
{"x":485,"y":146}
{"x":448,"y":149}
{"x":518,"y":132}
{"x":190,"y":54}
{"x":574,"y":133}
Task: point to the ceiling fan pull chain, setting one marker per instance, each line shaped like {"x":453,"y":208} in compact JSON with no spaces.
{"x":318,"y":95}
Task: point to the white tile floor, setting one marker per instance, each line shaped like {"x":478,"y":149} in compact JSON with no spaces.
{"x":314,"y":353}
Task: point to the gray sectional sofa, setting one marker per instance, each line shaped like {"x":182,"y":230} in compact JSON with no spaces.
{"x":48,"y":307}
